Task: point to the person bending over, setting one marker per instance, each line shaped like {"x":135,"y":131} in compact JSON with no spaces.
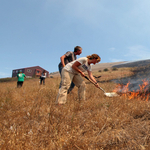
{"x":73,"y":72}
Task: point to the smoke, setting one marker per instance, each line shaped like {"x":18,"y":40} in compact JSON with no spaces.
{"x":140,"y":79}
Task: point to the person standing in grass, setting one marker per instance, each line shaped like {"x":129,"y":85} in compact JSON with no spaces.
{"x":65,"y":59}
{"x":73,"y":71}
{"x":42,"y":77}
{"x":20,"y":77}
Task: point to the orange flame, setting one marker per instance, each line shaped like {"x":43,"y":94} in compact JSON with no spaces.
{"x":140,"y":94}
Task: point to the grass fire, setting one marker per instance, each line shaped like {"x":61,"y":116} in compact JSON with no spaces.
{"x":140,"y":94}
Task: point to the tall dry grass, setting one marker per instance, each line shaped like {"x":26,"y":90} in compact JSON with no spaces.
{"x":30,"y":119}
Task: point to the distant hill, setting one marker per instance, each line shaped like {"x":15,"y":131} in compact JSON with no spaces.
{"x":101,"y":66}
{"x":138,"y":63}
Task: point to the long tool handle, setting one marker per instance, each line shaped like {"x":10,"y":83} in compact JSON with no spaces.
{"x":94,"y":83}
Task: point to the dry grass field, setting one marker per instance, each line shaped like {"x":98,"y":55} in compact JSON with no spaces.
{"x":30,"y":120}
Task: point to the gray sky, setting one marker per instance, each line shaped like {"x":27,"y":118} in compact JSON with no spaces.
{"x":38,"y":32}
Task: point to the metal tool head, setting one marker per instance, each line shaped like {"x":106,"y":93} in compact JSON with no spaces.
{"x":112,"y":94}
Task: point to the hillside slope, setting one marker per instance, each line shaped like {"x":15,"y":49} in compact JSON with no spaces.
{"x":105,"y":65}
{"x":139,"y":63}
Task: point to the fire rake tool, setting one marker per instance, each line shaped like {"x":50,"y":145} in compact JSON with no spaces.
{"x":111,"y":94}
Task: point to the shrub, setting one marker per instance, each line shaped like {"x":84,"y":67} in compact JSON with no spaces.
{"x":105,"y":69}
{"x":114,"y":69}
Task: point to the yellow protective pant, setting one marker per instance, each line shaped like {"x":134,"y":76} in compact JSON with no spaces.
{"x":66,"y":79}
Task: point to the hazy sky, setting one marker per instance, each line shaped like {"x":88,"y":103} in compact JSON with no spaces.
{"x":38,"y":32}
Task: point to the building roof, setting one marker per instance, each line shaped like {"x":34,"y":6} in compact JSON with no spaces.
{"x":32,"y":67}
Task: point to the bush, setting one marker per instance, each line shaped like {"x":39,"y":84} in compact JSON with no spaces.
{"x":114,"y":69}
{"x":105,"y":69}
